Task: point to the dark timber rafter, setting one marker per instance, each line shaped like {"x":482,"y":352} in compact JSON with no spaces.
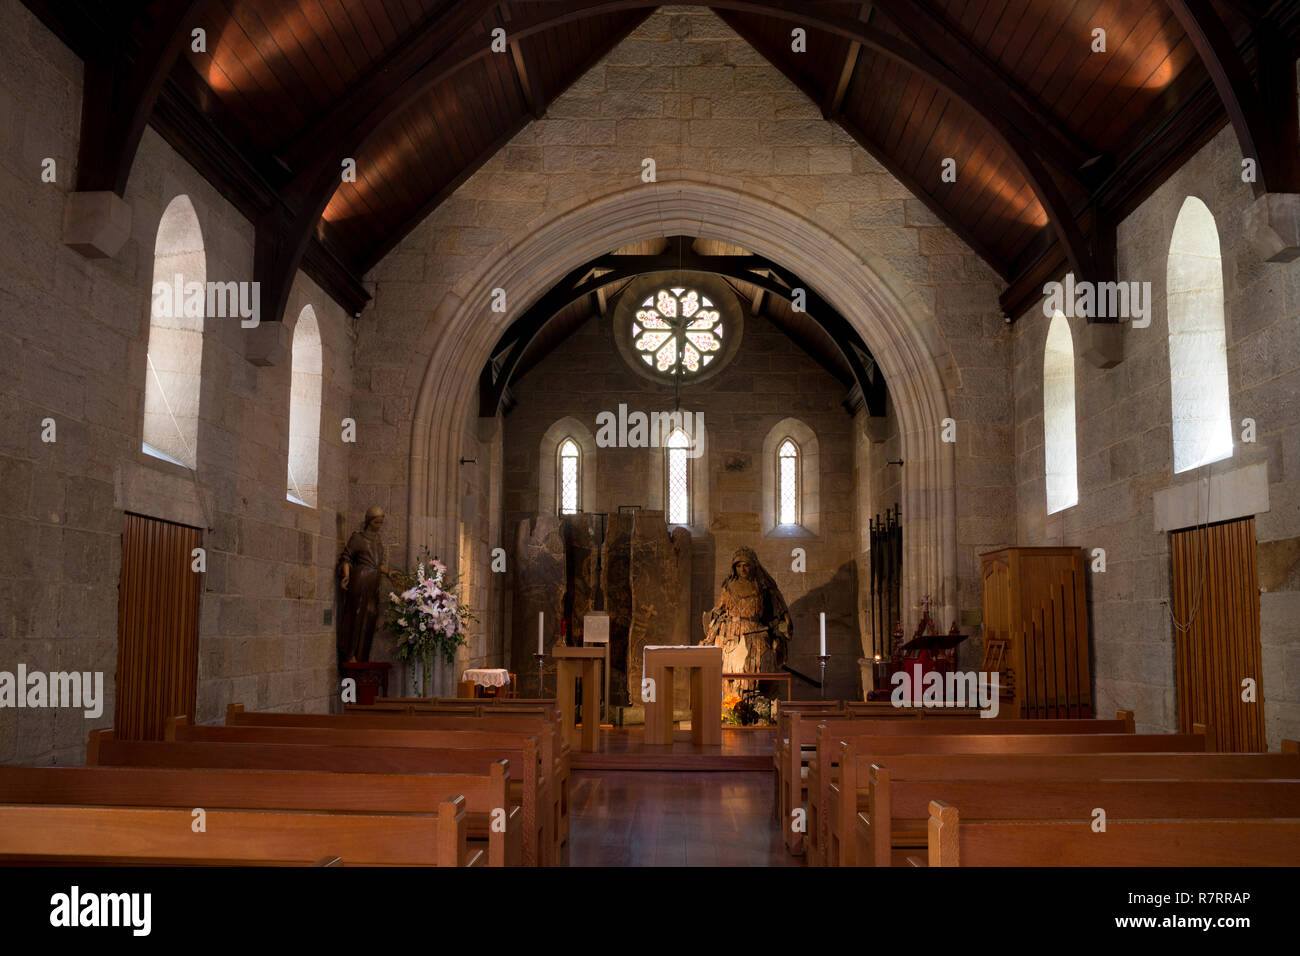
{"x":834,"y":100}
{"x":119,"y":95}
{"x":532,"y":96}
{"x":284,"y":233}
{"x":609,"y":270}
{"x":1264,"y":117}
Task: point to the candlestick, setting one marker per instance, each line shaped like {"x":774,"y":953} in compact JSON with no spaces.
{"x":823,"y":617}
{"x":540,"y":658}
{"x":823,"y":660}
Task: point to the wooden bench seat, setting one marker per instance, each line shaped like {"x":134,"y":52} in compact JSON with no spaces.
{"x":829,"y":736}
{"x":226,"y":789}
{"x":527,"y":789}
{"x":894,"y":825}
{"x":1150,"y":841}
{"x":33,"y":832}
{"x":540,"y":723}
{"x":847,"y":794}
{"x":340,"y":732}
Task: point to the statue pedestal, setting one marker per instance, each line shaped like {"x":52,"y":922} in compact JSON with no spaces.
{"x":371,"y":678}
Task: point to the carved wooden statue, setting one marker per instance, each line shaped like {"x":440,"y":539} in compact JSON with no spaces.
{"x":751,"y":622}
{"x":363,"y":567}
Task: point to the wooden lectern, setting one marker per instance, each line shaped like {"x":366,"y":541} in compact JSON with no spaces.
{"x":705,"y":665}
{"x":570,"y":664}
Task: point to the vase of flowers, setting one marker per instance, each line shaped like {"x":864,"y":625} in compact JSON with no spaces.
{"x":427,"y":617}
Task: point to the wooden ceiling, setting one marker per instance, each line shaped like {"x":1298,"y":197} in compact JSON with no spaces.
{"x":1054,"y":143}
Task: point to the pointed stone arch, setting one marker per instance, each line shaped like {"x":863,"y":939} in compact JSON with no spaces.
{"x":894,"y":321}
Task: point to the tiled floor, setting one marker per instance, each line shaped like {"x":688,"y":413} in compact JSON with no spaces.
{"x":654,"y":818}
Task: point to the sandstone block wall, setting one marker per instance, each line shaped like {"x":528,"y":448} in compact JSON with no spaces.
{"x":1125,"y":452}
{"x":75,"y":333}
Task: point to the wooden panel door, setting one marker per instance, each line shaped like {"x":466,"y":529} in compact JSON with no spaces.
{"x":1216,"y":632}
{"x":157,"y":627}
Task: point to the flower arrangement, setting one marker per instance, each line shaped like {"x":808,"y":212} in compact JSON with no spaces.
{"x":427,"y":618}
{"x":746,"y":710}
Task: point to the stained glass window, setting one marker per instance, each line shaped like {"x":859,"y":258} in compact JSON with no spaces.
{"x":569,"y":461}
{"x":787,"y":458}
{"x":679,"y":478}
{"x":677,"y":331}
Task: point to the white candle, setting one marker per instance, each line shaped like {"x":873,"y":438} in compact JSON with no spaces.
{"x":823,"y":616}
{"x":541,"y":623}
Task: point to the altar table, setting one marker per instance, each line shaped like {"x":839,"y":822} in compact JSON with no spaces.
{"x":570,"y":664}
{"x":705,"y":665}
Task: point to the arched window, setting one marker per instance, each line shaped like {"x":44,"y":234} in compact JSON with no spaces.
{"x":1198,"y":353}
{"x":570,"y":477}
{"x":1059,"y":449}
{"x":174,"y":361}
{"x":678,"y":475}
{"x":791,"y":469}
{"x":304,"y":410}
{"x":787,"y":483}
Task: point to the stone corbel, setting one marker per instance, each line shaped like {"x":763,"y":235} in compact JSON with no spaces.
{"x":267,"y":344}
{"x":1103,"y":343}
{"x":1273,"y":226}
{"x":96,"y":224}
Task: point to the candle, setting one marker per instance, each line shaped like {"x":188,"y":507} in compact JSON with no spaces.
{"x":823,"y":617}
{"x":541,"y":622}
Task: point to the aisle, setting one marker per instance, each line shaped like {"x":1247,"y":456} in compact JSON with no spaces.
{"x":664,"y":818}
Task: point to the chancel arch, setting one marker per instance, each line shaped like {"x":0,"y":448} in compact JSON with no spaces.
{"x":174,"y":361}
{"x":892,"y":319}
{"x":791,"y":470}
{"x":567,"y":440}
{"x":1198,"y":354}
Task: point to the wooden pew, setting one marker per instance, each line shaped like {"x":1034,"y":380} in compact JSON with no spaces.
{"x":210,"y":789}
{"x":849,"y":794}
{"x":823,"y":764}
{"x":894,"y":823}
{"x":335,"y":733}
{"x":1128,"y":842}
{"x":529,"y":790}
{"x":40,"y":832}
{"x":786,"y":708}
{"x":390,"y":719}
{"x":797,"y":738}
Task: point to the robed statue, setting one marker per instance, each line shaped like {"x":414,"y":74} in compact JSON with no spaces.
{"x":751,"y":622}
{"x":363,"y":566}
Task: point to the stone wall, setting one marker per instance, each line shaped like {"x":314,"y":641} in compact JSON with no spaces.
{"x":75,"y":332}
{"x":1125,"y":452}
{"x":768,"y":380}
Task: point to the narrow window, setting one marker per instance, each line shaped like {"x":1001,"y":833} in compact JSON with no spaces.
{"x":304,"y":410}
{"x":788,"y":483}
{"x":1198,"y":354}
{"x":570,"y":462}
{"x":1059,"y":449}
{"x":679,"y":478}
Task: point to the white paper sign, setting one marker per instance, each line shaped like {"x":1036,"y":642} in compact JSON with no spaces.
{"x":595,"y":628}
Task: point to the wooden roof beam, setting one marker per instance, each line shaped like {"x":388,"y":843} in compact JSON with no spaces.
{"x":834,"y":99}
{"x":119,"y":93}
{"x":532,"y":97}
{"x":1264,"y":117}
{"x":931,"y":30}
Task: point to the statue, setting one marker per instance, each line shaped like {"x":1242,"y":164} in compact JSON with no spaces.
{"x":362,"y":569}
{"x":751,"y":622}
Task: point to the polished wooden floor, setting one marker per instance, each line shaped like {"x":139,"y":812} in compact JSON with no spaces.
{"x":624,"y":748}
{"x":664,"y":818}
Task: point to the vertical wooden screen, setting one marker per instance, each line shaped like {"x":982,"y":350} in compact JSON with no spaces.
{"x":1216,"y":591}
{"x":157,"y":627}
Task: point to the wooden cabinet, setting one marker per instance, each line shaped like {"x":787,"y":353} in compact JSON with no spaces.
{"x":1036,"y":630}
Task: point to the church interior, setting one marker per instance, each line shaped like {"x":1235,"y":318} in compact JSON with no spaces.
{"x":589,"y":433}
